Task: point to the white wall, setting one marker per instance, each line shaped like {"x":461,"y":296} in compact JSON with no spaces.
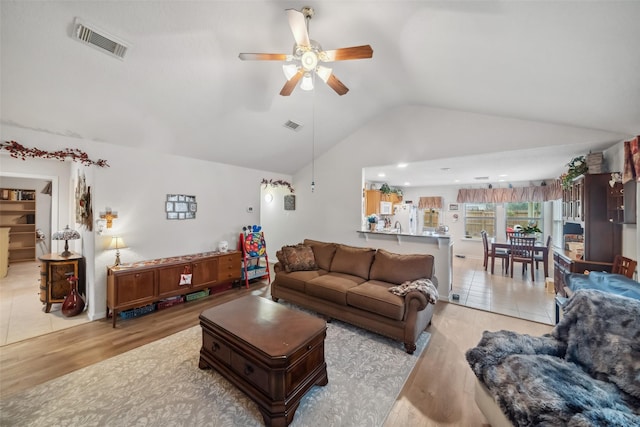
{"x":135,"y":185}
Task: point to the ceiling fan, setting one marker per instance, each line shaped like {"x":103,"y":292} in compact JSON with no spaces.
{"x":307,"y":55}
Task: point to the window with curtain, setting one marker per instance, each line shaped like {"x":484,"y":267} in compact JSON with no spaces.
{"x":478,"y":217}
{"x":523,"y":214}
{"x":431,"y":218}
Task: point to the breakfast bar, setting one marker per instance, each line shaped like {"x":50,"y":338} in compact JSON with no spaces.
{"x":440,"y":245}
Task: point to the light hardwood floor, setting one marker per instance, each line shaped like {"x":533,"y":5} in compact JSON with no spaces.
{"x":438,"y":392}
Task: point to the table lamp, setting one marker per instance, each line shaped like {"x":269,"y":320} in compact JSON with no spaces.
{"x":117,"y":243}
{"x":66,"y":235}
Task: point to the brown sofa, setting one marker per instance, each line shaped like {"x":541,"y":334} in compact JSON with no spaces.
{"x":352,"y":284}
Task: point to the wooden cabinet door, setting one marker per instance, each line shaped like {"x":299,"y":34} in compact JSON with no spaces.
{"x":133,"y":288}
{"x":205,"y":272}
{"x":59,"y":273}
{"x":169,"y":280}
{"x":229,"y":267}
{"x":372,"y":202}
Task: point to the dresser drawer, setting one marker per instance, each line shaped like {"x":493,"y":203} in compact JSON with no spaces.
{"x":298,"y":372}
{"x":229,"y":267}
{"x":214,"y":346}
{"x":251,"y":372}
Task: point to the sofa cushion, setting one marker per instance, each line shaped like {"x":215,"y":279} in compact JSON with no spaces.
{"x":353,"y":260}
{"x":296,"y":279}
{"x":332,"y":287}
{"x":374,"y":296}
{"x":399,"y":268}
{"x":323,"y":252}
{"x":298,"y":258}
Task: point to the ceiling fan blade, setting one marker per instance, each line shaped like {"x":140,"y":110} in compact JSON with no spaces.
{"x":337,"y":85}
{"x":298,"y":27}
{"x":263,"y":56}
{"x":291,"y":83}
{"x":356,"y":52}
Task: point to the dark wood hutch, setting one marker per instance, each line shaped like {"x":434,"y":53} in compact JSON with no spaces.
{"x":593,"y":204}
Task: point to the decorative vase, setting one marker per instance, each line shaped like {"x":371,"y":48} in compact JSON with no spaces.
{"x":73,"y":304}
{"x":372,"y":226}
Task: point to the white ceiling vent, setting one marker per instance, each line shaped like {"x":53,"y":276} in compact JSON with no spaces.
{"x":91,"y":35}
{"x":292,"y":125}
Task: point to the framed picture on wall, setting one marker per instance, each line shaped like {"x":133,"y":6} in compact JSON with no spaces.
{"x":180,"y":206}
{"x":289,"y":202}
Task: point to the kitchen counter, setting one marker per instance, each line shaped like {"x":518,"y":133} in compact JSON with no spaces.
{"x":392,"y":232}
{"x":438,"y":245}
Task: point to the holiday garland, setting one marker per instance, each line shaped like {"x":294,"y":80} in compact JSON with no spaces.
{"x":19,"y":151}
{"x":277,"y":183}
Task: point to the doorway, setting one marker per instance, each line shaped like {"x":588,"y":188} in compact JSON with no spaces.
{"x":22,"y":315}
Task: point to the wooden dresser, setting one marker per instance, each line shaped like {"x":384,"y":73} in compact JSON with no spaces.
{"x":147,"y":282}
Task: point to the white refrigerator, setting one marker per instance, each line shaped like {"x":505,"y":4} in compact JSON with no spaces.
{"x":406,"y":215}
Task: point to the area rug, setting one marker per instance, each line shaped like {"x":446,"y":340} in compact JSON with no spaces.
{"x":160,"y":384}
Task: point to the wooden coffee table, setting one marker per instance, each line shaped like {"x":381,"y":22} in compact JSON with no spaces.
{"x":272,"y":353}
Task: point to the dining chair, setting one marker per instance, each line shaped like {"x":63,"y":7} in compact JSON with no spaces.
{"x":624,"y":266}
{"x":501,"y":253}
{"x":540,"y":257}
{"x":522,"y":251}
{"x":511,"y":234}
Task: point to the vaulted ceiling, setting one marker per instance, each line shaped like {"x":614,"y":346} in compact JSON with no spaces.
{"x":181,"y":88}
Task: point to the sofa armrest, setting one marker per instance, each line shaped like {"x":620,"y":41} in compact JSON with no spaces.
{"x":278,"y":267}
{"x":414,"y":300}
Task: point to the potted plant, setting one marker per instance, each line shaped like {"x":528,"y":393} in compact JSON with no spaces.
{"x":577,"y":166}
{"x":373,"y":221}
{"x":385,"y":189}
{"x":531,"y":228}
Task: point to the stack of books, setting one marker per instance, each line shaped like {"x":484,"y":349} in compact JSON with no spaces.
{"x":594,"y":162}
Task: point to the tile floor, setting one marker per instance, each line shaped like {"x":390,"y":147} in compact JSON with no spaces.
{"x":499,"y":293}
{"x":22,"y":314}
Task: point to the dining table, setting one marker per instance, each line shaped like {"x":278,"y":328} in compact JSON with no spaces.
{"x":538,"y":248}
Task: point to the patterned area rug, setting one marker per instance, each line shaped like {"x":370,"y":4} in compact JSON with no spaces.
{"x":160,"y":384}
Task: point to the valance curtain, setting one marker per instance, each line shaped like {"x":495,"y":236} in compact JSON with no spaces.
{"x":430,"y":203}
{"x":539,"y":193}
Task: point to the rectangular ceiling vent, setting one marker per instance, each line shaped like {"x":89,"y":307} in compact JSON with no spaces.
{"x":99,"y":39}
{"x":292,"y":125}
{"x":481,"y":178}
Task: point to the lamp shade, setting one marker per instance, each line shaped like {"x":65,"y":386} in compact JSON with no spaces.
{"x":66,"y":235}
{"x":117,"y":243}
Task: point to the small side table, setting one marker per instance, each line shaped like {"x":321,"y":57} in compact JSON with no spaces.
{"x":54,"y":274}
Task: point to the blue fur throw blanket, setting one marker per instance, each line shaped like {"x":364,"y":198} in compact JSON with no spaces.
{"x":586,"y":372}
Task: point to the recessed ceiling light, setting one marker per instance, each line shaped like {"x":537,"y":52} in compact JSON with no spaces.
{"x":382,"y":175}
{"x":407,"y":183}
{"x":403,"y":165}
{"x":503,"y":175}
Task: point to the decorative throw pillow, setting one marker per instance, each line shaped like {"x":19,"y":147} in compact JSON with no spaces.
{"x":281,"y":259}
{"x":323,"y":252}
{"x":298,"y":258}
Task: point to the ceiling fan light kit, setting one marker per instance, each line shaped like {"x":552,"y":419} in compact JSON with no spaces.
{"x":304,"y":64}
